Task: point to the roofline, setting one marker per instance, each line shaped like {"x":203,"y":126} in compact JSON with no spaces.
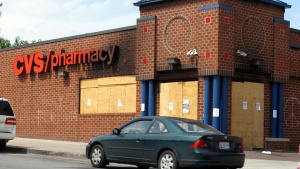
{"x":142,"y":2}
{"x":147,"y":2}
{"x":71,"y":38}
{"x":295,"y":30}
{"x":281,"y":3}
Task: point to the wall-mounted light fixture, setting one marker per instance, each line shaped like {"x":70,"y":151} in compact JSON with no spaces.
{"x":256,"y":62}
{"x":173,"y":61}
{"x":241,"y":53}
{"x":63,"y":73}
{"x":192,"y":52}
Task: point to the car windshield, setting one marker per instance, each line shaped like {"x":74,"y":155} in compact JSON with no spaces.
{"x":192,"y":126}
{"x":5,"y":108}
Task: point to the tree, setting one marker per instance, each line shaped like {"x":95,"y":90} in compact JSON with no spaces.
{"x":5,"y":43}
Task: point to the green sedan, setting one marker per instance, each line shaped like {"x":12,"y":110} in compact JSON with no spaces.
{"x":166,"y":143}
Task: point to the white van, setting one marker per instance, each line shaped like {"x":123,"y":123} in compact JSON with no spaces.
{"x":7,"y":123}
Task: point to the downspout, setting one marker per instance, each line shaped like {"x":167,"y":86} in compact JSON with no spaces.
{"x":206,"y":99}
{"x":280,"y":111}
{"x":274,"y":110}
{"x":216,"y":101}
{"x":151,"y":95}
{"x":144,"y":109}
{"x":223,"y":105}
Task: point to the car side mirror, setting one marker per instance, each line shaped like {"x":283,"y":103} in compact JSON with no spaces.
{"x":116,"y":131}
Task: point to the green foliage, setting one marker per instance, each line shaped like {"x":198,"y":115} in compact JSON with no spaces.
{"x":4,"y":43}
{"x":19,"y":42}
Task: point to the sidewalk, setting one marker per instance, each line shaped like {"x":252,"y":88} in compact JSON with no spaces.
{"x":77,"y":150}
{"x":47,"y":147}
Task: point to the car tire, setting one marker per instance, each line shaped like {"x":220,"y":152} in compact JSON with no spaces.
{"x":2,"y":145}
{"x":97,"y":156}
{"x":168,"y":160}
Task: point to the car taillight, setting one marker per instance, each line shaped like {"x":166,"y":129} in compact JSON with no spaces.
{"x":241,"y":147}
{"x":11,"y":121}
{"x":200,"y":143}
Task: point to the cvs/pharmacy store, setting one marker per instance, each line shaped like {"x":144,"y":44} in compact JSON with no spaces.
{"x":232,"y":64}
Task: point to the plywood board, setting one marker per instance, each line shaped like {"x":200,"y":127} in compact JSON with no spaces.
{"x":175,"y":97}
{"x":130,"y":98}
{"x":88,"y":83}
{"x":104,"y":100}
{"x":190,"y":95}
{"x":238,"y":124}
{"x":164,"y":99}
{"x":247,"y":121}
{"x":119,"y":80}
{"x":258,"y":115}
{"x":172,"y":96}
{"x":118,"y":98}
{"x":248,"y":116}
{"x":109,"y":95}
{"x":89,"y":102}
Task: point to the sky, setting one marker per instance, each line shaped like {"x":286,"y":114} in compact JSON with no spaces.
{"x":52,"y":19}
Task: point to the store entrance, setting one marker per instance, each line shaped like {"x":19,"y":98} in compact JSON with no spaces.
{"x":179,"y":99}
{"x":247,"y":118}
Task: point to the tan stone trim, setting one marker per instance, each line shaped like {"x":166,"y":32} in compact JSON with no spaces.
{"x":177,"y":67}
{"x":145,"y":77}
{"x":246,"y":67}
{"x":213,"y":72}
{"x":294,"y":74}
{"x":276,"y":79}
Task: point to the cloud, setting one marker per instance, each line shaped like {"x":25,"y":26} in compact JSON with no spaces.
{"x":43,"y":19}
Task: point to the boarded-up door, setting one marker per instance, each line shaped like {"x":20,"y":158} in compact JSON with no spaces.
{"x":179,"y":99}
{"x":247,"y":117}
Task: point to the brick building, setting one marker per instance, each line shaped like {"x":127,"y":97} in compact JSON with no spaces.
{"x":230,"y":63}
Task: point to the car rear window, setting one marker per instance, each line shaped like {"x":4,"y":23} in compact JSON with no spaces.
{"x":192,"y":126}
{"x":5,"y":108}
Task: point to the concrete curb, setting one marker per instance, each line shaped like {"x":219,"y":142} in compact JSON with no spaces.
{"x":22,"y":150}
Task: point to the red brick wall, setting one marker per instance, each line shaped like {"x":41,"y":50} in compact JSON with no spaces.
{"x":47,"y":105}
{"x":255,"y":33}
{"x":178,"y":28}
{"x":146,"y":47}
{"x":291,"y":118}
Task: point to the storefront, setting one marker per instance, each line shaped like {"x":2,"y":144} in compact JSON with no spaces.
{"x":219,"y":62}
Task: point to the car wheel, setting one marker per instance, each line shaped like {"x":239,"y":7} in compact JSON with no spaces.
{"x":2,"y":144}
{"x":97,"y":156}
{"x":142,"y":167}
{"x":168,"y":160}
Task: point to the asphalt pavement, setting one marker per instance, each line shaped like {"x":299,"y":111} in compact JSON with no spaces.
{"x":77,"y":150}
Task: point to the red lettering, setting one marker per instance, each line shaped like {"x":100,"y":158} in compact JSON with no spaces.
{"x":94,"y":55}
{"x":28,"y":63}
{"x":111,"y":54}
{"x":54,"y":61}
{"x":83,"y":54}
{"x":62,"y":57}
{"x":75,"y":55}
{"x":69,"y":60}
{"x":18,"y":65}
{"x":47,"y":67}
{"x":103,"y":54}
{"x":39,"y":63}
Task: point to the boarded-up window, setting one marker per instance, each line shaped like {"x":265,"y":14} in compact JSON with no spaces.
{"x":108,"y":95}
{"x":179,"y":99}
